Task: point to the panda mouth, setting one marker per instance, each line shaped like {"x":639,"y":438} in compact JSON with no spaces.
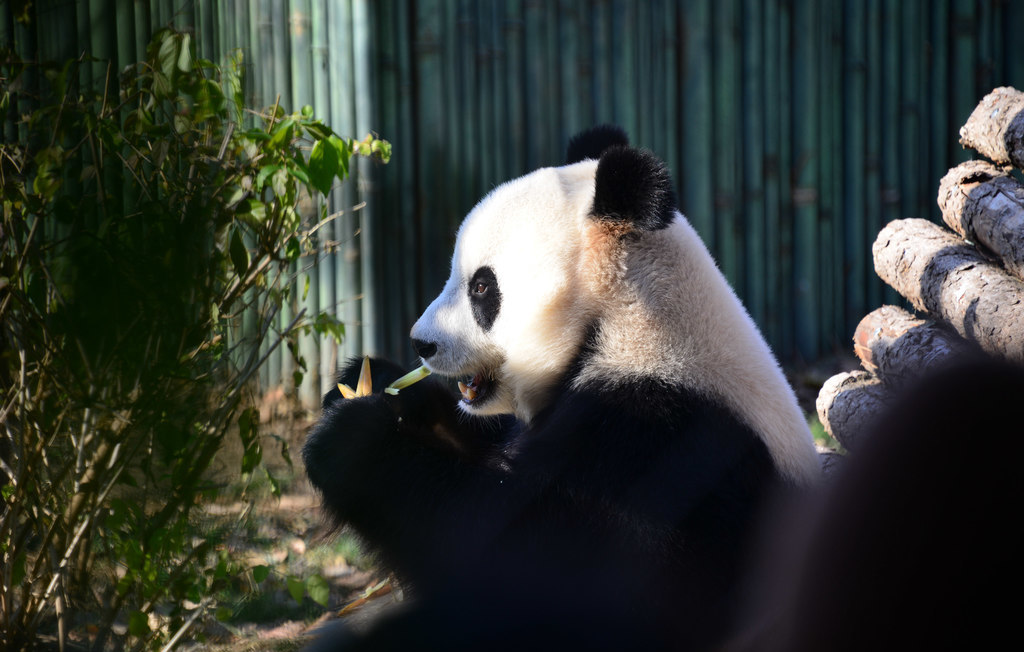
{"x":477,"y":389}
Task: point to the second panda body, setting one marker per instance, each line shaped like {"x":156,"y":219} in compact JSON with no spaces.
{"x":621,"y":424}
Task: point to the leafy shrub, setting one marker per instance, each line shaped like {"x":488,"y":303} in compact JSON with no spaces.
{"x":141,"y":222}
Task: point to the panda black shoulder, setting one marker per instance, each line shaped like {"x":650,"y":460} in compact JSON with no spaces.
{"x":670,"y":435}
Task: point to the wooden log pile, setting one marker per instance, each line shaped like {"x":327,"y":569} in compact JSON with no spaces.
{"x":965,"y":279}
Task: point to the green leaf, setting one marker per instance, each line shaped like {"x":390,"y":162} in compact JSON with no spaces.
{"x":344,"y":151}
{"x":318,"y":590}
{"x":260,"y":573}
{"x":251,"y":458}
{"x":161,"y":84}
{"x":279,"y":182}
{"x":248,"y":423}
{"x":323,"y":165}
{"x":318,"y":130}
{"x":296,"y":588}
{"x":239,"y":253}
{"x":167,"y":55}
{"x":184,"y":55}
{"x":292,"y":249}
{"x":382,"y":149}
{"x":210,"y":101}
{"x":275,"y":486}
{"x":266,"y":171}
{"x":18,"y":569}
{"x":248,"y":432}
{"x":282,"y":134}
{"x":236,"y":195}
{"x":138,"y":624}
{"x":285,"y":451}
{"x":232,"y":81}
{"x":299,"y":169}
{"x":326,"y":324}
{"x":256,"y":134}
{"x":125,"y":583}
{"x":305,"y":288}
{"x":253,"y":207}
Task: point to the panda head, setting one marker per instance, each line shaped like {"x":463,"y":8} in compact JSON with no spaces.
{"x":528,"y":269}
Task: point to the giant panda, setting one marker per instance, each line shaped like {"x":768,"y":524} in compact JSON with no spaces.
{"x":621,"y":427}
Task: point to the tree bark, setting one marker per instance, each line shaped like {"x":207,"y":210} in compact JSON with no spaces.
{"x":942,"y":275}
{"x":898,"y":347}
{"x":985,"y":205}
{"x":996,"y":127}
{"x":848,"y":405}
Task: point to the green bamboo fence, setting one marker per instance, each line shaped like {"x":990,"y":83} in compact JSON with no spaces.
{"x":795,"y":128}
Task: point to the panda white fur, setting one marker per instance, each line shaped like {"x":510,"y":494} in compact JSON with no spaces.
{"x":651,"y":422}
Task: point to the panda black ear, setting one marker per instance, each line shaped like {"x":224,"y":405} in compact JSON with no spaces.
{"x":593,"y":142}
{"x":633,"y":186}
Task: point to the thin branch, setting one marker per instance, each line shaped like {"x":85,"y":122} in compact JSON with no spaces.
{"x":186,"y":625}
{"x":333,"y":216}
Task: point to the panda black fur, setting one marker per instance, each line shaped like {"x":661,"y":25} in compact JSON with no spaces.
{"x":621,"y":426}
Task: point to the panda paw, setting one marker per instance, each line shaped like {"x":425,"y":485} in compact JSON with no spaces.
{"x":423,"y":406}
{"x":381,"y":373}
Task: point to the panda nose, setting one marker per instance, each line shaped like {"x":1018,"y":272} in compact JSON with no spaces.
{"x":424,"y":349}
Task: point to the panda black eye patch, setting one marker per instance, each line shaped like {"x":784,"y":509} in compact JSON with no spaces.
{"x":484,"y":297}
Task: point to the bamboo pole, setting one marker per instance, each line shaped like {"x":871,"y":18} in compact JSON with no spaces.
{"x":365,"y":118}
{"x":327,"y":257}
{"x":807,"y":182}
{"x":255,"y":94}
{"x":429,"y":114}
{"x":300,"y":44}
{"x":624,"y":71}
{"x":601,"y":58}
{"x":669,"y":26}
{"x":962,"y":73}
{"x":512,"y":96}
{"x":726,"y":121}
{"x":873,"y":136}
{"x":752,"y":162}
{"x":854,"y":163}
{"x":697,"y":194}
{"x":1013,"y":24}
{"x":772,"y":175}
{"x":830,"y":260}
{"x":938,"y":75}
{"x":346,"y":260}
{"x":483,"y":50}
{"x":890,"y":164}
{"x":786,"y":162}
{"x":915,"y":194}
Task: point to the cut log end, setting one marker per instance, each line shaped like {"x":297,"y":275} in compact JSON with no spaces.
{"x":898,"y":347}
{"x":848,"y":405}
{"x":995,"y":128}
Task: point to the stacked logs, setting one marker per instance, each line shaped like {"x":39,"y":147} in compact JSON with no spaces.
{"x":966,"y":281}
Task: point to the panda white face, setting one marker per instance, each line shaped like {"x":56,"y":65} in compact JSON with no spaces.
{"x":512,"y":314}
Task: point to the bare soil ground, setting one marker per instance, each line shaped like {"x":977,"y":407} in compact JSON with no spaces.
{"x":292,"y":537}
